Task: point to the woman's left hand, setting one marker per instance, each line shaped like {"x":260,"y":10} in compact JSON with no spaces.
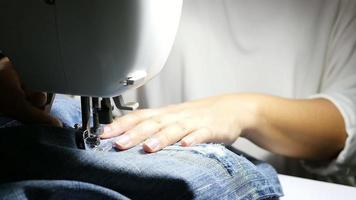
{"x":220,"y":119}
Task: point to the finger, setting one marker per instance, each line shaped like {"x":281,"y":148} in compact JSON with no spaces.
{"x":9,"y":77}
{"x":18,"y":106}
{"x":38,"y":99}
{"x":167,"y":136}
{"x":31,"y":114}
{"x":196,"y":137}
{"x":120,"y":125}
{"x":126,"y":122}
{"x":169,"y":118}
{"x":138,"y":134}
{"x":145,"y":129}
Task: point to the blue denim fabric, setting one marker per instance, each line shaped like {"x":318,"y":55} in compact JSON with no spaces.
{"x":206,"y":171}
{"x":64,"y":108}
{"x":56,"y":190}
{"x":67,"y":110}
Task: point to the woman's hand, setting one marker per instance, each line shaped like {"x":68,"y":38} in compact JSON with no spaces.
{"x":219,"y":119}
{"x":20,"y":103}
{"x":299,"y":128}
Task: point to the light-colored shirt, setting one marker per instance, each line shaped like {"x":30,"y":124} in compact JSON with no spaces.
{"x":288,"y":48}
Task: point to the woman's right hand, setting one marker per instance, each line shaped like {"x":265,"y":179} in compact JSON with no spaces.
{"x":20,"y":103}
{"x":219,"y":119}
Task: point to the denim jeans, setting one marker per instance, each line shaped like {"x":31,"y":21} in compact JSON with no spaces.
{"x":206,"y":171}
{"x":56,"y":190}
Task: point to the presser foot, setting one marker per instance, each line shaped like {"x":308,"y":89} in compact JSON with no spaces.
{"x":99,"y":112}
{"x":86,"y":139}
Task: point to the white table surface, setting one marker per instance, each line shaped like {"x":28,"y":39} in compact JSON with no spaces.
{"x":299,"y":188}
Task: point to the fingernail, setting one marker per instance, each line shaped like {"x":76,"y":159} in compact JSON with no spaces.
{"x":58,"y":123}
{"x":187,"y":142}
{"x":123,"y":141}
{"x":152,"y":143}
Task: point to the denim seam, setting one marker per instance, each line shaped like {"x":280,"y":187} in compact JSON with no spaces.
{"x":217,"y":160}
{"x":252,"y":192}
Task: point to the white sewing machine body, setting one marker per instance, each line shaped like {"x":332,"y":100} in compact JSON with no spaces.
{"x":95,"y":49}
{"x":88,"y":48}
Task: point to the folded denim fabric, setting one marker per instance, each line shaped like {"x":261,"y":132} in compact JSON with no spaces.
{"x":206,"y":171}
{"x":56,"y":190}
{"x":199,"y":172}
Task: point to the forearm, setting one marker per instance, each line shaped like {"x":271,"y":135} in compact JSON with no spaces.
{"x":307,"y":129}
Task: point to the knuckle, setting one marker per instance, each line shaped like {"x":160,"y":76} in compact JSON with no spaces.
{"x":148,"y":126}
{"x":145,"y":113}
{"x":166,"y":136}
{"x":173,"y":128}
{"x":115,"y":123}
{"x":133,"y":135}
{"x":130,"y":118}
{"x":182,"y":126}
{"x":139,"y":113}
{"x":156,"y":119}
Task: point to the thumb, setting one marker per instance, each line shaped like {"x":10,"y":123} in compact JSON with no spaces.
{"x":38,"y":99}
{"x":32,"y":114}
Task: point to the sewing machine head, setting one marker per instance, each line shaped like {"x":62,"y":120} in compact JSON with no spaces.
{"x":93,"y":49}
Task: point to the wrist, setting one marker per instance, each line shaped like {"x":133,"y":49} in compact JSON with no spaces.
{"x":253,"y":118}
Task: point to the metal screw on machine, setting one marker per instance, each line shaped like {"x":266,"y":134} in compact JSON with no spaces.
{"x":128,"y":82}
{"x":136,"y":78}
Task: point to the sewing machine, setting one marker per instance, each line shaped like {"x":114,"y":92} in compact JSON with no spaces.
{"x":95,"y":49}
